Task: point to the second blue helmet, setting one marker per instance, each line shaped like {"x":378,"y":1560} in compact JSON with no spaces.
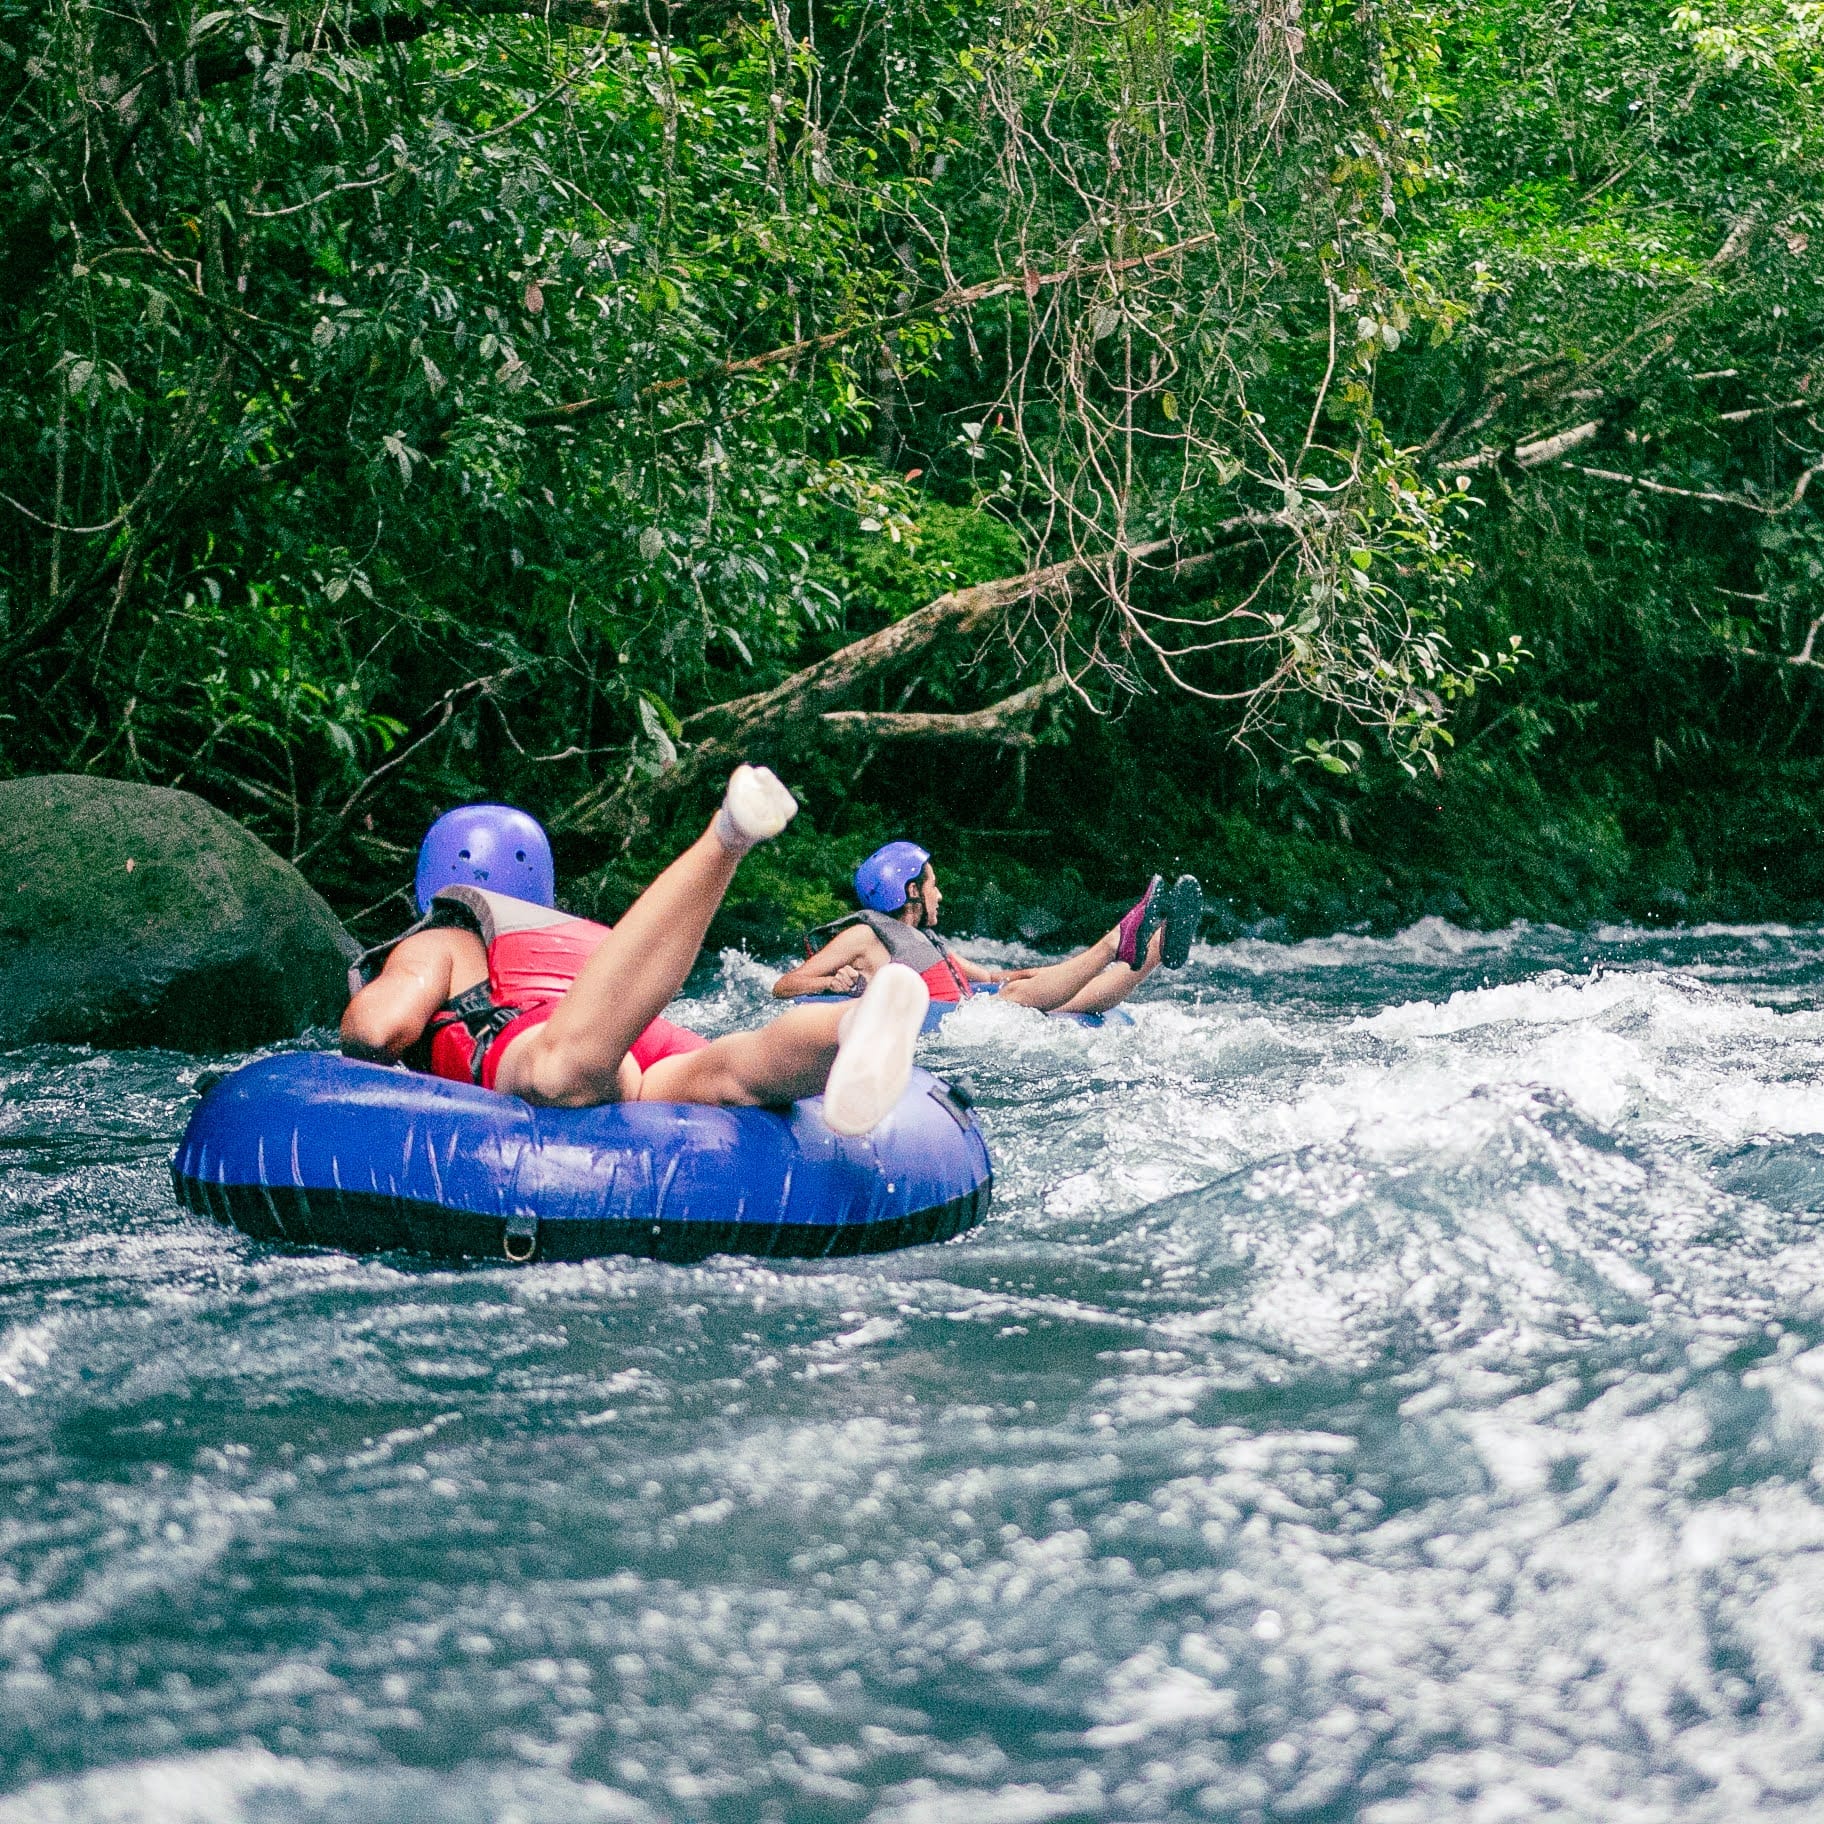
{"x":881,"y":881}
{"x":487,"y":845}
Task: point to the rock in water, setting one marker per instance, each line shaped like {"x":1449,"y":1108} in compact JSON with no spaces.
{"x":134,"y":915}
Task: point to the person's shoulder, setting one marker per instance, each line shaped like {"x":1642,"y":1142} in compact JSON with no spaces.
{"x":851,"y":940}
{"x":441,"y":943}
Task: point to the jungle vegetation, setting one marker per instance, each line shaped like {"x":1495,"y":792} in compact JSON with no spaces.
{"x":1367,"y":450}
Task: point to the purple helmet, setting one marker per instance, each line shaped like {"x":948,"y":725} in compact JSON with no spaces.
{"x":881,"y":881}
{"x":487,"y":845}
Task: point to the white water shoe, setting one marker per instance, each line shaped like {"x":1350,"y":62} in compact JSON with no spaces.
{"x":755,"y":807}
{"x":874,"y":1051}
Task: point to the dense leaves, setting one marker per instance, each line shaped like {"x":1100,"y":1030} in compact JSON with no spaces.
{"x":406,"y":401}
{"x":276,"y":353}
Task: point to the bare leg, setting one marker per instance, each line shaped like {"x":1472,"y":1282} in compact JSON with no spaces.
{"x":1058,"y":983}
{"x":787,"y":1058}
{"x":1113,"y":985}
{"x":859,"y":1056}
{"x":575,"y":1058}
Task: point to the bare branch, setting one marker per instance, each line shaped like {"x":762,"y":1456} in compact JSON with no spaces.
{"x":107,"y":525}
{"x":1721,"y":500}
{"x":365,"y":183}
{"x":1497,"y":392}
{"x":1007,"y":723}
{"x":1767,"y":411}
{"x":793,"y":710}
{"x":1738,"y":240}
{"x":440,"y":714}
{"x":1803,"y":657}
{"x":1550,"y":449}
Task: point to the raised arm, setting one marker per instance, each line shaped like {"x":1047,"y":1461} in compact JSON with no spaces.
{"x":396,"y":1006}
{"x":847,"y":961}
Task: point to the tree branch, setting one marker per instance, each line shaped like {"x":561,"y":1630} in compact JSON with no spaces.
{"x":438,"y":716}
{"x":792,"y":711}
{"x":1767,"y":411}
{"x":1803,"y":657}
{"x":1550,"y":449}
{"x":1721,"y":500}
{"x":1007,"y":722}
{"x":1534,"y":454}
{"x":1566,"y":372}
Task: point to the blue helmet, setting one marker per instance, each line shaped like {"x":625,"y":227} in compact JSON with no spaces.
{"x":881,"y":881}
{"x":487,"y":845}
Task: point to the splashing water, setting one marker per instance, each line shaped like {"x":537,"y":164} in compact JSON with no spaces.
{"x":1389,"y":1387}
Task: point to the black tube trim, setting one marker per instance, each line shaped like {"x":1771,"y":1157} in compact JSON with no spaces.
{"x":367,"y":1222}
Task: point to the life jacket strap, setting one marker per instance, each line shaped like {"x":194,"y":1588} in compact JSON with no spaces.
{"x":478,"y":1014}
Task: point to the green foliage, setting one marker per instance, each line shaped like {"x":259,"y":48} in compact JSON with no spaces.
{"x":884,"y":579}
{"x":405,"y":403}
{"x":284,"y":337}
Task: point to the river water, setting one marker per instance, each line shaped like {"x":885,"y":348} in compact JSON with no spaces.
{"x":1389,"y":1386}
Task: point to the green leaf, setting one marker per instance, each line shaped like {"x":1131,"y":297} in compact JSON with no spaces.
{"x":664,"y":751}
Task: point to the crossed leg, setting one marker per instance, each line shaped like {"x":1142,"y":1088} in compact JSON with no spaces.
{"x":1084,"y":983}
{"x":1114,"y":984}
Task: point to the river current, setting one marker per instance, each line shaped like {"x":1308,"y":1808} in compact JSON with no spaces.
{"x":1389,"y":1386}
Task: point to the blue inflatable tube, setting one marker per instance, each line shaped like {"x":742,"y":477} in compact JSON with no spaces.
{"x":315,"y":1149}
{"x":939,"y":1011}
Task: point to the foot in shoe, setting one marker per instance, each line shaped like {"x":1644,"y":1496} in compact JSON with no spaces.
{"x":1137,"y":926}
{"x":755,"y":807}
{"x":874,"y":1051}
{"x":1183,"y":914}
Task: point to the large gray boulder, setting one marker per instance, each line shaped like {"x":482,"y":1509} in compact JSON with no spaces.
{"x":133,"y":915}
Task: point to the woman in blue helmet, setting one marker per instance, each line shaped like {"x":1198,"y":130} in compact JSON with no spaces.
{"x":898,"y":891}
{"x":495,"y":986}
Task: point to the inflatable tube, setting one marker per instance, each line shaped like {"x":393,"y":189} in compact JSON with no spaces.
{"x":317,"y":1149}
{"x":939,"y":1011}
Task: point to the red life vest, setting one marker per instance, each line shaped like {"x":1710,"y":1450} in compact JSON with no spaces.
{"x":534,"y":954}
